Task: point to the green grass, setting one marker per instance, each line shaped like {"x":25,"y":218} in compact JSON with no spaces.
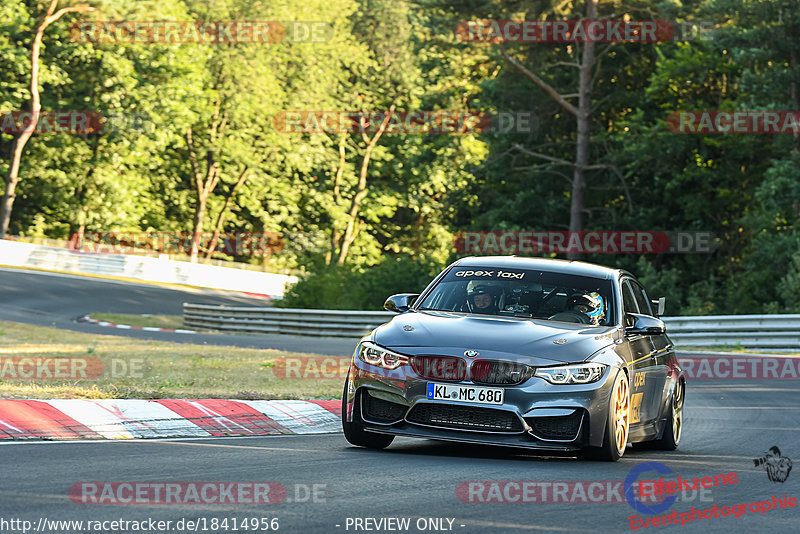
{"x":144,"y":369}
{"x":158,"y":321}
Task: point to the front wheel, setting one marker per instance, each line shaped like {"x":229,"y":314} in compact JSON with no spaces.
{"x":616,"y":435}
{"x":354,"y":431}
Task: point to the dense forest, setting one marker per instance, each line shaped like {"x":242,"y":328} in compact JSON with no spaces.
{"x":195,"y":138}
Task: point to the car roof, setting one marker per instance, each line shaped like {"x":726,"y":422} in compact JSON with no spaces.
{"x":545,"y":264}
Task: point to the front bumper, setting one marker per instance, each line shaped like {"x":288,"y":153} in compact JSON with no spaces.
{"x":534,"y":414}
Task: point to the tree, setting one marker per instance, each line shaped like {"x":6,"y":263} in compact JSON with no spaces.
{"x":18,"y":145}
{"x":380,"y":84}
{"x":525,"y":172}
{"x":583,"y":115}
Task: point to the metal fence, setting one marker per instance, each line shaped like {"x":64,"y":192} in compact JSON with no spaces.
{"x":332,"y":323}
{"x":98,"y":249}
{"x":750,"y":331}
{"x":27,"y":255}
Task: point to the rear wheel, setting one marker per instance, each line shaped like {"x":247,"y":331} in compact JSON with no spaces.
{"x":354,"y":431}
{"x":673,"y":428}
{"x":616,"y":435}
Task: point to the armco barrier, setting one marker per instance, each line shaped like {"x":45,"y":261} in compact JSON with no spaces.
{"x":332,"y":323}
{"x":751,"y":331}
{"x":16,"y":254}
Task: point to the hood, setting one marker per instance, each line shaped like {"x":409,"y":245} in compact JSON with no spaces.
{"x":526,"y":340}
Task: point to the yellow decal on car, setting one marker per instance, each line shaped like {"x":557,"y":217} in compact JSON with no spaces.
{"x":636,"y":407}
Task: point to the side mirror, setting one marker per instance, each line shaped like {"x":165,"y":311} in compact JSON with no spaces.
{"x":400,"y":303}
{"x":644,"y":324}
{"x":658,"y":305}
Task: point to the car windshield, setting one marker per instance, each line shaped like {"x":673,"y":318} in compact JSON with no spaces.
{"x":523,"y":293}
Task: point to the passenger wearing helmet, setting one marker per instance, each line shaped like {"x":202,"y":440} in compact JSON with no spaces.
{"x":590,"y":304}
{"x":482,"y":300}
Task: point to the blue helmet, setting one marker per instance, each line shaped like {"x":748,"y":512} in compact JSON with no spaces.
{"x":591,"y":304}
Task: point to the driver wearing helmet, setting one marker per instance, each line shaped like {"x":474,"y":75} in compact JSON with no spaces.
{"x":482,"y":300}
{"x":590,"y":304}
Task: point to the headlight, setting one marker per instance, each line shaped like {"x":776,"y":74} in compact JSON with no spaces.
{"x":374,"y":355}
{"x":582,"y":373}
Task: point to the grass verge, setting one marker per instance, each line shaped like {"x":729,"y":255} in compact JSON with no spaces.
{"x":157,"y":321}
{"x":129,"y":368}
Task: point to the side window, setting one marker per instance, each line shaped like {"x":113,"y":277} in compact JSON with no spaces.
{"x":628,"y":300}
{"x":641,"y":298}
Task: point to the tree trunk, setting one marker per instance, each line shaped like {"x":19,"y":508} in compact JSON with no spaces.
{"x":577,"y":200}
{"x":583,"y":115}
{"x":12,"y":178}
{"x":197,"y":225}
{"x":224,"y":211}
{"x":337,"y":181}
{"x":794,"y":91}
{"x":349,"y":233}
{"x":75,"y":241}
{"x":203,"y":186}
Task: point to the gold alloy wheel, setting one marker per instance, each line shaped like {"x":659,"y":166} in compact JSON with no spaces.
{"x":677,"y":414}
{"x":621,"y":414}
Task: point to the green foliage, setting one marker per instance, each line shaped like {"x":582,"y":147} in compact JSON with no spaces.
{"x":422,"y":189}
{"x":344,"y":288}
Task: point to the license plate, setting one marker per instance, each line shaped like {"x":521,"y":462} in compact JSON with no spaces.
{"x":454,"y":393}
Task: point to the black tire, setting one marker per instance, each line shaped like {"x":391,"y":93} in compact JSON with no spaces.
{"x":610,"y":451}
{"x":673,"y":428}
{"x":354,"y":431}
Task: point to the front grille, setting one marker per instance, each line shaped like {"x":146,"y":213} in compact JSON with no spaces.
{"x":440,"y":367}
{"x":464,"y":417}
{"x":496,"y":373}
{"x":382,"y":411}
{"x":560,"y":428}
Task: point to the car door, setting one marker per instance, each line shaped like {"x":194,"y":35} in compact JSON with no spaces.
{"x":641,"y":350}
{"x":662,"y":349}
{"x":652,"y":381}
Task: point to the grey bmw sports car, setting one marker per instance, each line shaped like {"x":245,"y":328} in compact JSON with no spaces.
{"x":519,"y":352}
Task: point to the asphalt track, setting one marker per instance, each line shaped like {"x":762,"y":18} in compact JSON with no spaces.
{"x":728,"y":423}
{"x":57,"y":300}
